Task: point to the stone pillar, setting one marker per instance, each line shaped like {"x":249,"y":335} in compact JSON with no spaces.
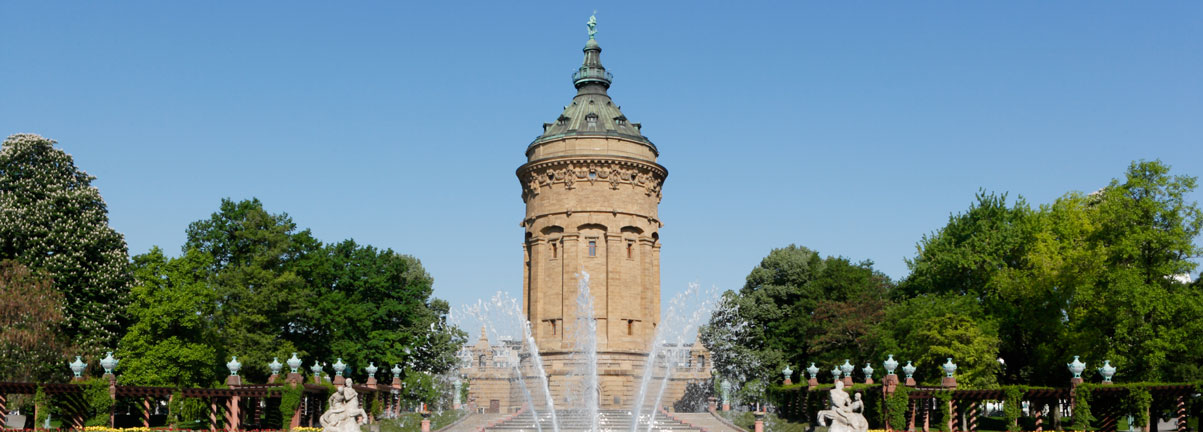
{"x":712,"y":404}
{"x":949,"y":382}
{"x":811,"y":383}
{"x":112,"y":395}
{"x":759,"y":421}
{"x":848,"y":381}
{"x":232,"y":413}
{"x":294,"y":379}
{"x":926,"y":415}
{"x":890,"y":382}
{"x":426,"y":421}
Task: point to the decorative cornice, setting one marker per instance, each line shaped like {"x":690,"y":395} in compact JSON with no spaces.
{"x":569,"y":172}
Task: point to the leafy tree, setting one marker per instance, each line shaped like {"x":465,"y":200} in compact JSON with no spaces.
{"x":1139,"y":314}
{"x":260,"y":299}
{"x":374,"y":306}
{"x":797,"y":307}
{"x":30,"y":317}
{"x":53,"y":220}
{"x":171,"y":342}
{"x":927,"y":329}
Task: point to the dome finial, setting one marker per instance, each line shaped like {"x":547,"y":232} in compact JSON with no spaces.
{"x":592,"y":24}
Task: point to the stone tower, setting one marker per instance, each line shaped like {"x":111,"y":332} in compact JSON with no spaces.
{"x":592,"y":186}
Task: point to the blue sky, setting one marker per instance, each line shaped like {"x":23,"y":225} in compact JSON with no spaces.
{"x":852,"y":128}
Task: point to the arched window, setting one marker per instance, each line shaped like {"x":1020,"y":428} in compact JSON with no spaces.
{"x":482,"y":361}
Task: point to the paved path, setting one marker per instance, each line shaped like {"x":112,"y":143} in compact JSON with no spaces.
{"x":473,"y":422}
{"x":705,"y":421}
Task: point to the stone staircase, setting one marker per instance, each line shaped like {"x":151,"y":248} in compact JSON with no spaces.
{"x":578,"y":421}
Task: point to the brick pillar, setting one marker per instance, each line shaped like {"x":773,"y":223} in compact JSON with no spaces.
{"x":232,"y":413}
{"x":952,"y":415}
{"x":914,"y":410}
{"x":1181,"y":413}
{"x":212,"y":414}
{"x":3,"y":406}
{"x":759,"y":427}
{"x":146,"y":412}
{"x":1039,"y":411}
{"x":926,"y":415}
{"x":971,"y":422}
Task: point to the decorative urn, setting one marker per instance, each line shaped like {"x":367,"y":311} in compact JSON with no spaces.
{"x":275,"y":366}
{"x":316,"y":368}
{"x":813,"y":370}
{"x":868,"y":370}
{"x":835,"y":373}
{"x":371,"y":369}
{"x":726,"y":385}
{"x":109,"y":363}
{"x":78,"y":367}
{"x":1076,"y":367}
{"x":909,"y":370}
{"x":847,"y":368}
{"x":1107,"y":371}
{"x":234,"y":365}
{"x":949,"y":368}
{"x":787,"y":372}
{"x":396,"y":370}
{"x":339,"y":366}
{"x":294,"y":363}
{"x":890,"y":364}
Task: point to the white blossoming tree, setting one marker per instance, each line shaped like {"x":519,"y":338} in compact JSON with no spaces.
{"x":55,"y":222}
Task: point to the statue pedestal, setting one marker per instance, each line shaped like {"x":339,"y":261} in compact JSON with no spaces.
{"x":910,"y":382}
{"x":847,"y":381}
{"x":787,"y":382}
{"x":948,"y":382}
{"x":339,"y":380}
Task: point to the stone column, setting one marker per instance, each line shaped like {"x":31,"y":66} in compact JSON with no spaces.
{"x":759,"y":426}
{"x":426,"y":421}
{"x":112,"y":395}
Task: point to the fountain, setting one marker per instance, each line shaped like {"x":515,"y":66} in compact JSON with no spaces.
{"x":503,"y":316}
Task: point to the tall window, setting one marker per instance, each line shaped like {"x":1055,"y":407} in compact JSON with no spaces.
{"x":555,"y":250}
{"x":630,"y":327}
{"x":630,"y":249}
{"x":592,"y":247}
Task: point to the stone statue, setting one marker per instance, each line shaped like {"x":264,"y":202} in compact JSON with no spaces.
{"x":592,"y":25}
{"x":342,"y":412}
{"x":843,"y":414}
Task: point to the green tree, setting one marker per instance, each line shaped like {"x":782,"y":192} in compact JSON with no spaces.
{"x":797,"y":307}
{"x":30,"y":317}
{"x":930,"y":328}
{"x":1139,"y":314}
{"x":171,"y":341}
{"x":375,"y":305}
{"x":260,"y":300}
{"x":53,"y":220}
